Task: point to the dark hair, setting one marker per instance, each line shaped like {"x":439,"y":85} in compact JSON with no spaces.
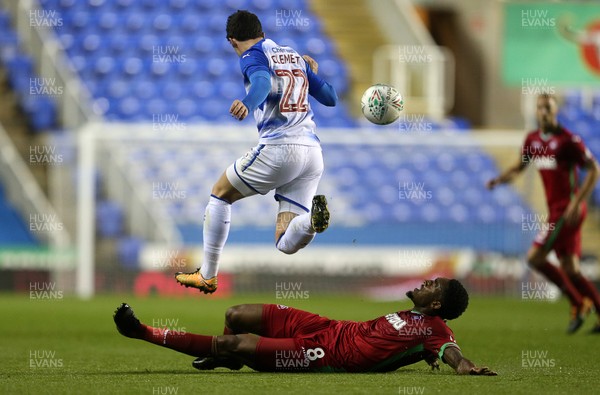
{"x":243,"y":25}
{"x":455,"y":301}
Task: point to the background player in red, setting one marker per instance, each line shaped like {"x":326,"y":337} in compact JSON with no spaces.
{"x":277,"y":338}
{"x":558,"y":155}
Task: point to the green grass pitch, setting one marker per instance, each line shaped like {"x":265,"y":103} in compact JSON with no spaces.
{"x":62,"y":346}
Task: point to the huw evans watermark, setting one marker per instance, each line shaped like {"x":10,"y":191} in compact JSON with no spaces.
{"x":536,"y":359}
{"x":169,"y":259}
{"x":537,"y":19}
{"x":47,"y":18}
{"x":165,"y":390}
{"x":413,"y":191}
{"x":288,"y":18}
{"x":167,"y":326}
{"x":168,"y":54}
{"x":536,"y":86}
{"x":290,"y":290}
{"x":168,"y":191}
{"x":411,"y":390}
{"x":533,"y":290}
{"x":44,"y":359}
{"x":167,"y":122}
{"x":44,"y":291}
{"x":536,"y":223}
{"x":44,"y":154}
{"x":45,"y":86}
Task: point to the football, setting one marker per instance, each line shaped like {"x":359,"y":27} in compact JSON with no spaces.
{"x":381,"y":104}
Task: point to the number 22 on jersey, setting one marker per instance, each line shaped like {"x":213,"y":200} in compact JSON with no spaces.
{"x":295,"y":90}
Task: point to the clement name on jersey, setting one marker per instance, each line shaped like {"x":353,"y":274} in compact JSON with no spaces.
{"x":285,"y":116}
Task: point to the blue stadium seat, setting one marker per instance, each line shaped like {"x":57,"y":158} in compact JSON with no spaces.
{"x":124,"y":4}
{"x":218,"y":67}
{"x":207,"y":5}
{"x":150,"y":5}
{"x":403,"y":213}
{"x":216,"y":22}
{"x":131,"y":32}
{"x":203,"y":44}
{"x":318,"y":47}
{"x":459,"y":213}
{"x":146,"y":43}
{"x":109,"y":219}
{"x":137,"y":23}
{"x":41,"y":111}
{"x":487,"y":213}
{"x":14,"y":232}
{"x":110,"y":21}
{"x":20,"y":68}
{"x":5,"y":24}
{"x":128,"y":251}
{"x":445,"y":197}
{"x":262,"y":5}
{"x":594,"y":146}
{"x":473,"y":196}
{"x":128,"y":107}
{"x":430,"y":213}
{"x":572,"y":109}
{"x":157,"y":106}
{"x":234,"y":5}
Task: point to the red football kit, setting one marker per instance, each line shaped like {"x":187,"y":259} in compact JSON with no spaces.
{"x":296,"y":340}
{"x":557,"y":157}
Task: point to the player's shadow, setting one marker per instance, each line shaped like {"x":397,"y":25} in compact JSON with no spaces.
{"x":224,"y":373}
{"x":162,"y":371}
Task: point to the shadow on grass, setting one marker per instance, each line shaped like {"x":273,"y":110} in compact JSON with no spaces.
{"x":124,"y":373}
{"x":225,"y":373}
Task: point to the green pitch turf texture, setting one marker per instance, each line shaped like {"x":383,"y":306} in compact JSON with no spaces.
{"x":78,"y":350}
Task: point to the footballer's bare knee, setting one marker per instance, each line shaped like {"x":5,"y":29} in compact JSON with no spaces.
{"x":225,"y":191}
{"x":283,"y":222}
{"x":244,"y":318}
{"x":234,"y":316}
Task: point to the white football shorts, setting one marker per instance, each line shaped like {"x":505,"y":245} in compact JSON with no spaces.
{"x":292,"y":170}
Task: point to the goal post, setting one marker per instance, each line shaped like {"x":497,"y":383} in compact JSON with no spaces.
{"x":85,"y":212}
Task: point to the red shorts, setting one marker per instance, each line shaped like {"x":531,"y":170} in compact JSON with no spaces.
{"x":564,"y":239}
{"x":289,"y":342}
{"x":282,"y":321}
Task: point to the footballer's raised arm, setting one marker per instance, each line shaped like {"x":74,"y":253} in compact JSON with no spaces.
{"x":510,"y":173}
{"x":319,"y":88}
{"x":454,"y":358}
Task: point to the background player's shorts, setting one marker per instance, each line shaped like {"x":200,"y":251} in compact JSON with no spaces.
{"x":292,"y":170}
{"x":564,"y":239}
